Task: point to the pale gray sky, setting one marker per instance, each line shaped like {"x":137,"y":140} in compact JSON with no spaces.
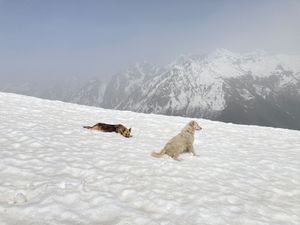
{"x":61,"y":38}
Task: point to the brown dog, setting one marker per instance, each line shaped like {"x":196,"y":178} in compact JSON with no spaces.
{"x":118,"y":128}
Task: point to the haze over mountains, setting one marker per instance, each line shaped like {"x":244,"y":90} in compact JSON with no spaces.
{"x":252,"y":88}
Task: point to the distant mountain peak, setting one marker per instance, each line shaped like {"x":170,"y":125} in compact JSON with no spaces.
{"x":222,"y":51}
{"x":252,"y":88}
{"x":222,"y":85}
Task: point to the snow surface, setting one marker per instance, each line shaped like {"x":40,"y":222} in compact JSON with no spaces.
{"x":53,"y":171}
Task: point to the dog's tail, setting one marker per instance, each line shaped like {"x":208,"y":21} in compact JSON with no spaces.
{"x":158,"y":154}
{"x":87,"y":127}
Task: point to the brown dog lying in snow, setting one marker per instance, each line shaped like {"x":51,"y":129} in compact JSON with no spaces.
{"x":118,"y":128}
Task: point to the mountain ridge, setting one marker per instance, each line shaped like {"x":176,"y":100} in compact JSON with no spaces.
{"x":215,"y":86}
{"x":247,"y":88}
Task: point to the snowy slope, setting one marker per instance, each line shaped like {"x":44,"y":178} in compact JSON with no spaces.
{"x":54,"y":172}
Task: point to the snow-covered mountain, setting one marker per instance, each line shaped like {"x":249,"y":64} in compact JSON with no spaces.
{"x":53,"y":171}
{"x":252,"y":88}
{"x":90,"y":93}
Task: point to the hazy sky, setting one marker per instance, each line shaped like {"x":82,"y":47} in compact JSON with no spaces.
{"x":59,"y":38}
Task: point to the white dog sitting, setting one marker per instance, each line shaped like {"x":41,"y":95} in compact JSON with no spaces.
{"x":181,"y":142}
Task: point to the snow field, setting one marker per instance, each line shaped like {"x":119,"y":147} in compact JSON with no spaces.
{"x":53,"y":171}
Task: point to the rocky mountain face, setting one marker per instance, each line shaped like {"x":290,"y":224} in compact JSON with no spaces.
{"x":252,"y":88}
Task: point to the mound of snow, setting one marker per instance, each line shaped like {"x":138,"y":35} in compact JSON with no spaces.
{"x":53,"y":171}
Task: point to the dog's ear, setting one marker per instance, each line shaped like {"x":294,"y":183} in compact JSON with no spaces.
{"x":194,"y":124}
{"x":129,"y":129}
{"x":197,"y":127}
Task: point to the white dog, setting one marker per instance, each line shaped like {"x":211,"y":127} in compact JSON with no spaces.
{"x":181,"y":142}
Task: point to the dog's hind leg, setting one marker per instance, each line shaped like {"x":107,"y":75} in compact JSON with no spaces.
{"x":95,"y":127}
{"x":175,"y":157}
